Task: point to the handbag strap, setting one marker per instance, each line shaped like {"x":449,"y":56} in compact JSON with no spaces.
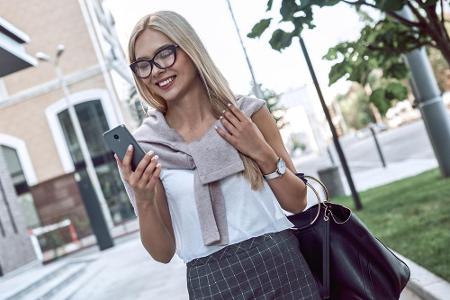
{"x":321,"y":202}
{"x":326,"y":260}
{"x":326,"y":233}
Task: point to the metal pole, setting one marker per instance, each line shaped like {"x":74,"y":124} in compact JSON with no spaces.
{"x":256,"y":87}
{"x":83,"y":146}
{"x":432,"y":108}
{"x":377,"y":144}
{"x":330,"y":155}
{"x":337,"y":144}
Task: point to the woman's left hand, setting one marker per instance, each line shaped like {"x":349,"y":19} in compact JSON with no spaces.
{"x":242,"y":132}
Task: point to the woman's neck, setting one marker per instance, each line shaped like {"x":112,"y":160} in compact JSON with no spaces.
{"x":191,"y":110}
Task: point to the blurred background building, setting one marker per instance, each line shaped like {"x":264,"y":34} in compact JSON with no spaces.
{"x":16,"y":247}
{"x":306,"y":131}
{"x":37,"y":139}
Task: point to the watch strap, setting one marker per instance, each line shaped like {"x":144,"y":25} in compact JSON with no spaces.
{"x":274,"y":174}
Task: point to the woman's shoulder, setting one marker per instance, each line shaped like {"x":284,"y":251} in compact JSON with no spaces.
{"x":249,"y":105}
{"x":152,"y":128}
{"x":151,"y":119}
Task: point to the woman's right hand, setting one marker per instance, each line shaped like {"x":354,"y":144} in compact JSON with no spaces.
{"x":143,"y":179}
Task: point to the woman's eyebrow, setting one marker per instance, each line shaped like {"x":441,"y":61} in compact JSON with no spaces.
{"x":156,"y":51}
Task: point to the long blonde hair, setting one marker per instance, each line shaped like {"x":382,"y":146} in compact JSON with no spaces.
{"x":177,"y":29}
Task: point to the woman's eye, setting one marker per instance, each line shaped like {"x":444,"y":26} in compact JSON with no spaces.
{"x":165,"y":53}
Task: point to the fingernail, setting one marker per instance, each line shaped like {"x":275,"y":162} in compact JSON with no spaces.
{"x":155,"y":157}
{"x":150,"y":153}
{"x":115,"y":156}
{"x":223,"y":111}
{"x":130,"y":147}
{"x":158,"y":165}
{"x":229,"y":104}
{"x":215,"y":126}
{"x":221,"y":117}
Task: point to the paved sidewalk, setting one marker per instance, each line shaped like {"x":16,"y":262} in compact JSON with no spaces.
{"x":394,"y":171}
{"x":373,"y":177}
{"x":128,"y":272}
{"x":425,"y":284}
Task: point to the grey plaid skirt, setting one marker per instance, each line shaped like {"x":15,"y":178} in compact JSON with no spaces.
{"x":269,"y":266}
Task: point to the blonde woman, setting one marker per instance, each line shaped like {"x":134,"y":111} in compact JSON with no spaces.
{"x":216,"y":175}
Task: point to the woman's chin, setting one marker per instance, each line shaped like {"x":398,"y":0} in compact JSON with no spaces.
{"x":169,"y":95}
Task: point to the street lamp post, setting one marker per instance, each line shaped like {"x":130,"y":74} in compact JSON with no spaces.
{"x":337,"y":144}
{"x":427,"y":94}
{"x":97,"y":210}
{"x":256,"y":88}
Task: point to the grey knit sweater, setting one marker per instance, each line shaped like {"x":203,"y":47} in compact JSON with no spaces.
{"x":211,"y":156}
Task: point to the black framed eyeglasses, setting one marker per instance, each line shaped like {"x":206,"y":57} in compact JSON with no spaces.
{"x":163,"y":59}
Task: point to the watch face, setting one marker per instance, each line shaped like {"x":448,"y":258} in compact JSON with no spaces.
{"x":281,"y":167}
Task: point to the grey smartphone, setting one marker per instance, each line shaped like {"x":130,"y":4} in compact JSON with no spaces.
{"x":118,"y":139}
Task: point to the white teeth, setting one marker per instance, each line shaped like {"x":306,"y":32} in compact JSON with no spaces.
{"x":165,"y":82}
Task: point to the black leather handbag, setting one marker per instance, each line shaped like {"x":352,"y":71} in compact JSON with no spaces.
{"x":347,"y":261}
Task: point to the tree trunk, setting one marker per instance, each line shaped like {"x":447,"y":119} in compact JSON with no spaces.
{"x":437,"y":31}
{"x":444,"y":47}
{"x":431,"y":25}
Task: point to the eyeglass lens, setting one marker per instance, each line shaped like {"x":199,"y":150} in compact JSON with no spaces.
{"x":163,"y":59}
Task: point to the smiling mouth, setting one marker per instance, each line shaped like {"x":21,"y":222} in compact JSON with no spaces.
{"x":166,"y":82}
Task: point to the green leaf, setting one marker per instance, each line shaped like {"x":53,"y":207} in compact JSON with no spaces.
{"x":337,"y":71}
{"x":287,"y":10}
{"x":269,"y":5}
{"x":377,"y":95}
{"x":259,"y":28}
{"x":330,"y":2}
{"x":302,"y":18}
{"x":280,"y":39}
{"x":332,"y":54}
{"x":390,"y":5}
{"x":378,"y":98}
{"x":304,"y":4}
{"x":396,"y":91}
{"x":397,"y":71}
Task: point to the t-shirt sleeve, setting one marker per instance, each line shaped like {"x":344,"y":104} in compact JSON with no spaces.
{"x":249,"y":105}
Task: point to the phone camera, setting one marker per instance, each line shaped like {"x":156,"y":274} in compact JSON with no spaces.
{"x":116,"y":136}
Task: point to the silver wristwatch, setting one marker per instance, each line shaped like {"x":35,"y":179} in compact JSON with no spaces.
{"x":281,"y":169}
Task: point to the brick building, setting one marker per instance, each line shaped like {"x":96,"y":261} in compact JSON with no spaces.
{"x":37,"y":139}
{"x":15,"y":245}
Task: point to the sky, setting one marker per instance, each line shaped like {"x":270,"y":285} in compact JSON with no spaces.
{"x":280,"y":72}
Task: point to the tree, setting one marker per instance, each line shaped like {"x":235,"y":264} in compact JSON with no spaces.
{"x":355,"y":107}
{"x":440,"y":69}
{"x":380,"y":44}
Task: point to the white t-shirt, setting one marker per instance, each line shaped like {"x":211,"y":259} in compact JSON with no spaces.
{"x":249,"y":213}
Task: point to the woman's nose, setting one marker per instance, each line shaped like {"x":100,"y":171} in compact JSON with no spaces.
{"x":157,"y":72}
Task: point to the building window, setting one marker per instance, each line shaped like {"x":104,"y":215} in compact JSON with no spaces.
{"x":93,"y":123}
{"x":3,"y":195}
{"x":137,"y":106}
{"x":20,"y":183}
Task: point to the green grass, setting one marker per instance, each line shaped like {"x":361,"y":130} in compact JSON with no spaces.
{"x":411,"y":216}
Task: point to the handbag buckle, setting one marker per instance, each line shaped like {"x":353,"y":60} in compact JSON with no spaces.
{"x":326,"y":213}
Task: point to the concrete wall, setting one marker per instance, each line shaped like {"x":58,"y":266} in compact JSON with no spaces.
{"x":15,"y":244}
